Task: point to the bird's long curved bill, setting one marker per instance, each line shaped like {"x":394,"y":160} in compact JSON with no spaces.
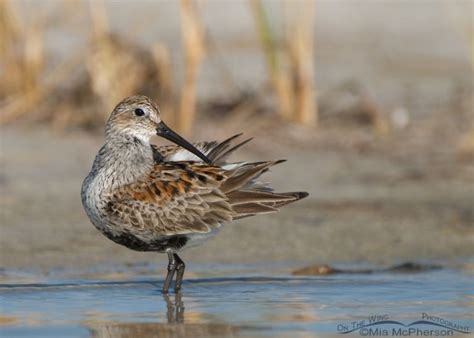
{"x":166,"y":132}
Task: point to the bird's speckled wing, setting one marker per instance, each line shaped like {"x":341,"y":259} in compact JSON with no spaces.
{"x":183,"y":197}
{"x":175,"y":198}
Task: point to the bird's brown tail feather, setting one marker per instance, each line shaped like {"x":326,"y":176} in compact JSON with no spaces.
{"x":246,"y":196}
{"x":247,"y":200}
{"x":255,"y":203}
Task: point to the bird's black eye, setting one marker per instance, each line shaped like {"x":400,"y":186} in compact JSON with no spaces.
{"x":139,"y":112}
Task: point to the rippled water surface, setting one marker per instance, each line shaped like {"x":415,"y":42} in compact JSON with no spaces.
{"x":251,"y":306}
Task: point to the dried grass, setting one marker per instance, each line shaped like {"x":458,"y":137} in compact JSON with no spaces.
{"x":466,"y":143}
{"x":118,"y":68}
{"x":465,"y":28}
{"x":278,"y":78}
{"x":291,"y":67}
{"x":27,"y":91}
{"x":300,"y":42}
{"x":193,"y":45}
{"x":22,"y":60}
{"x":115,"y":67}
{"x":111,"y":69}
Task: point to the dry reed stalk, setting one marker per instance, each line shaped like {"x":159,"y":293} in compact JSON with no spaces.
{"x":116,"y":69}
{"x":33,"y":55}
{"x":467,"y":143}
{"x":460,"y":15}
{"x":100,"y":21}
{"x":280,"y":80}
{"x":10,"y":33}
{"x":30,"y":102}
{"x":119,"y":67}
{"x":470,"y":40}
{"x":22,"y":59}
{"x":162,"y":60}
{"x":104,"y":60}
{"x":463,"y":24}
{"x":193,"y":45}
{"x":293,"y":85}
{"x":468,"y":140}
{"x":300,"y":41}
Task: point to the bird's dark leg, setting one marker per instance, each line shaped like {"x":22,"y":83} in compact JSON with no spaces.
{"x":171,"y":270}
{"x":179,"y":272}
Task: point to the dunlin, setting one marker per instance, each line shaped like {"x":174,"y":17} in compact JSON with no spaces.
{"x":163,"y":199}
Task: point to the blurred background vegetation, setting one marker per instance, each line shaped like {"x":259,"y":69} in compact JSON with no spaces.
{"x":370,"y":101}
{"x":314,"y":63}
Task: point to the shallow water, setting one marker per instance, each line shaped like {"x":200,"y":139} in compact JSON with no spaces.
{"x":250,"y":306}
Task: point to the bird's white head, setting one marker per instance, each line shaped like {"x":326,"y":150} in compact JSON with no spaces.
{"x":138,"y":117}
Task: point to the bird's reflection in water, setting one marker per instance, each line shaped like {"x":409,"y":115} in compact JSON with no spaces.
{"x":175,"y":310}
{"x":174,"y":327}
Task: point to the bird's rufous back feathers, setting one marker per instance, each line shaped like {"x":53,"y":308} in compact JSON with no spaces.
{"x":191,"y":196}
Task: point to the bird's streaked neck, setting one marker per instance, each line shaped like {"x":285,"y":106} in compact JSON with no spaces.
{"x":125,"y":145}
{"x":124,"y":158}
{"x":126,"y":135}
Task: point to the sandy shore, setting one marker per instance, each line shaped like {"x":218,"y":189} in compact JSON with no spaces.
{"x":362,"y":207}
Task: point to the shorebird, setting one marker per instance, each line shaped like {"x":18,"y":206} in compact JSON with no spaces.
{"x":162,"y":199}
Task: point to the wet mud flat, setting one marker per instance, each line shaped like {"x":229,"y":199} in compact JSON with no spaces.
{"x":237,"y":304}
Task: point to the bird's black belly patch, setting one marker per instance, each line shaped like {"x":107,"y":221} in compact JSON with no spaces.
{"x":175,"y":242}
